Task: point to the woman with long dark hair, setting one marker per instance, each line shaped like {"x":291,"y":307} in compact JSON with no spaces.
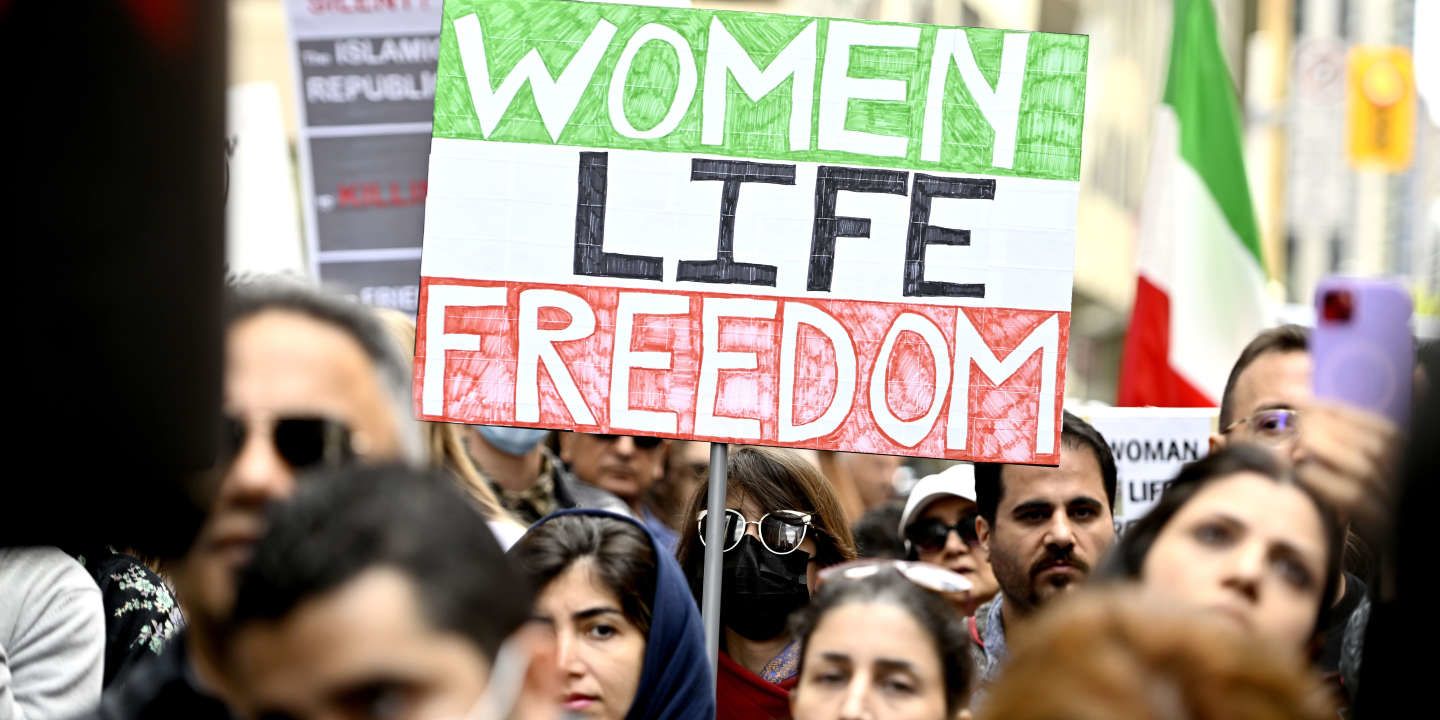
{"x":783,"y":524}
{"x":1235,"y":534}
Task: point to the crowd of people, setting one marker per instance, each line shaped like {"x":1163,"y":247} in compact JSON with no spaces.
{"x":357,"y":563}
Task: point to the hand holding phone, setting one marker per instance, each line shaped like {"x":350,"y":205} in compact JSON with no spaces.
{"x":1363,"y":360}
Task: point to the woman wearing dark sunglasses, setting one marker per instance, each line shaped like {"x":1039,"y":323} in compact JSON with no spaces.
{"x":783,"y":524}
{"x":938,"y":525}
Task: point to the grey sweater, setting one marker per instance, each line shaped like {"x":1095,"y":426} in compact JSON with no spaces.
{"x":52,"y":635}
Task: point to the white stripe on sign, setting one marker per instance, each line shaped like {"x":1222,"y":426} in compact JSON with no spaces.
{"x":500,"y":210}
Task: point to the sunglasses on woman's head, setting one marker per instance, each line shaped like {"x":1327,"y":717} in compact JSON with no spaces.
{"x":302,"y":441}
{"x":925,"y":575}
{"x":781,"y":532}
{"x":931,"y":534}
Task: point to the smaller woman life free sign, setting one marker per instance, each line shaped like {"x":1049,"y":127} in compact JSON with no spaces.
{"x":751,"y":228}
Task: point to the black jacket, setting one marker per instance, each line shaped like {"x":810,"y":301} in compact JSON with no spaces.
{"x":160,"y":687}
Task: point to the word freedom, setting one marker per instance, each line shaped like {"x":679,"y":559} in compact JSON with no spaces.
{"x":662,"y":362}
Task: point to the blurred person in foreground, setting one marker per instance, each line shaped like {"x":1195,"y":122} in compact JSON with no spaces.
{"x":1106,"y":655}
{"x":1345,"y":454}
{"x":938,"y":525}
{"x":624,"y":466}
{"x":782,"y":525}
{"x":381,"y":593}
{"x":1236,"y":537}
{"x":445,"y":445}
{"x":628,"y":637}
{"x":1379,"y":659}
{"x":878,"y":641}
{"x":311,"y":381}
{"x":1044,"y":529}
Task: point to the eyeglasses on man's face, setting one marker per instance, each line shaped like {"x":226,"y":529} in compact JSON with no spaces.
{"x":1271,"y":426}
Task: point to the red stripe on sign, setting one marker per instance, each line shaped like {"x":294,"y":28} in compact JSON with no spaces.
{"x":1146,"y":376}
{"x":797,"y":372}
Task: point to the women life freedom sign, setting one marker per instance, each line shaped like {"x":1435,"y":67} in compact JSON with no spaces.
{"x":751,"y":228}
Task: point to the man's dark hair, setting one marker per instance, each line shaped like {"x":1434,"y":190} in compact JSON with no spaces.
{"x":1075,"y":434}
{"x":1281,"y":339}
{"x":876,"y":532}
{"x":339,"y":525}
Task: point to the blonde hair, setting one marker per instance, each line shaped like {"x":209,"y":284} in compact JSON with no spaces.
{"x":444,"y":443}
{"x":1113,"y":654}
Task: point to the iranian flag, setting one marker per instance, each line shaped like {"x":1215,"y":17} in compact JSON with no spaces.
{"x":1200,"y":294}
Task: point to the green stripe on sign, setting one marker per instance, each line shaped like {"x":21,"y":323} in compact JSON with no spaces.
{"x":1200,"y":90}
{"x":762,"y":86}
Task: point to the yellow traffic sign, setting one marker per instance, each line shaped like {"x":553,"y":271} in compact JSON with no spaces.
{"x":1380,"y":90}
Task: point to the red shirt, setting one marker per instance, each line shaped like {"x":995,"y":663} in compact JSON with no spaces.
{"x":743,"y":695}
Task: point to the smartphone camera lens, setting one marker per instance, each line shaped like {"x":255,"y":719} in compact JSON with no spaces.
{"x":1337,"y":306}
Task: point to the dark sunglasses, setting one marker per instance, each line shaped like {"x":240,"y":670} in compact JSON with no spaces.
{"x":931,"y":534}
{"x":643,"y":442}
{"x":302,"y":442}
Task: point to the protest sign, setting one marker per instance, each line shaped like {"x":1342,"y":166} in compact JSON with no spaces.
{"x":365,"y":80}
{"x":1150,"y":445}
{"x":751,"y":228}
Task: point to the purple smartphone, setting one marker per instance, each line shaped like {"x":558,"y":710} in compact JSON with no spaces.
{"x":1362,"y":348}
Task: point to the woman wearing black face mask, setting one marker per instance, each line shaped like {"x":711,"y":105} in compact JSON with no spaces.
{"x":783,"y":524}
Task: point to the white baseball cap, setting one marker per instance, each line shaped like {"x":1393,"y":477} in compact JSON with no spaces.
{"x":955,"y":481}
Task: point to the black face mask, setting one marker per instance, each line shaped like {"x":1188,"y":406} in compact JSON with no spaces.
{"x":761,"y":589}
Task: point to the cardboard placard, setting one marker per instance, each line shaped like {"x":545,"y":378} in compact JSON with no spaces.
{"x":1150,"y":445}
{"x":365,"y":75}
{"x":751,"y":228}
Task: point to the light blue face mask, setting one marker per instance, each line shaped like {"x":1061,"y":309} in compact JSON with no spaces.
{"x":512,"y":440}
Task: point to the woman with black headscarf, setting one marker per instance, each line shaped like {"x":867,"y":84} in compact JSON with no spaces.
{"x":628,"y":635}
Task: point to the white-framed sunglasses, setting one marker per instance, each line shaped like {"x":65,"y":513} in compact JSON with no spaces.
{"x":925,"y":575}
{"x":781,"y":531}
